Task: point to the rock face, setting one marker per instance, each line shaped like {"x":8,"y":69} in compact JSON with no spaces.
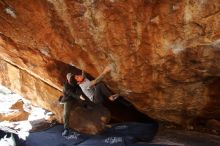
{"x":165,"y":54}
{"x":16,"y":113}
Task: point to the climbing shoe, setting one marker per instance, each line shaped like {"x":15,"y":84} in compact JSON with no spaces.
{"x":66,"y":132}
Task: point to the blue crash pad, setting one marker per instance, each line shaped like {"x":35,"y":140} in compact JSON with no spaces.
{"x":104,"y":141}
{"x":53,"y":137}
{"x":123,"y":134}
{"x":138,"y":131}
{"x":113,"y":141}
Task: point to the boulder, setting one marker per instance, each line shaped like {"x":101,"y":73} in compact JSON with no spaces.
{"x":165,"y":54}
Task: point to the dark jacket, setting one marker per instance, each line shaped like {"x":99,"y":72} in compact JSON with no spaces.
{"x":71,"y":92}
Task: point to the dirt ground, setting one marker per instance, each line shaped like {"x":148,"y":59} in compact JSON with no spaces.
{"x":186,"y":138}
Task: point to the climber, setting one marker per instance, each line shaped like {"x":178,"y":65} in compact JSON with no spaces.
{"x":95,"y":90}
{"x":71,"y":93}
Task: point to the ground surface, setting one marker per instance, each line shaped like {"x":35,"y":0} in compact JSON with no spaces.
{"x":186,"y":138}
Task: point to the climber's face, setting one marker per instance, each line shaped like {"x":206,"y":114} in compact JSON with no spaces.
{"x":79,"y":78}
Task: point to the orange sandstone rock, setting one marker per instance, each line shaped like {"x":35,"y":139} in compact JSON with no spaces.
{"x":45,"y":39}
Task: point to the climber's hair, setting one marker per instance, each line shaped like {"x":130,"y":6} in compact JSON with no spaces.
{"x":70,"y":78}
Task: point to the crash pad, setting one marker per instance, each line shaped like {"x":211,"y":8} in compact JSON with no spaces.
{"x":104,"y":141}
{"x":138,"y":131}
{"x":53,"y":137}
{"x":121,"y":134}
{"x":101,"y":140}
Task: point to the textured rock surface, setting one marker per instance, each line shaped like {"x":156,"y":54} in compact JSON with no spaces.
{"x":165,"y":54}
{"x":16,"y":113}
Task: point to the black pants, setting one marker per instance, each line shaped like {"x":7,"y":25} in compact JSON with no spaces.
{"x":101,"y":92}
